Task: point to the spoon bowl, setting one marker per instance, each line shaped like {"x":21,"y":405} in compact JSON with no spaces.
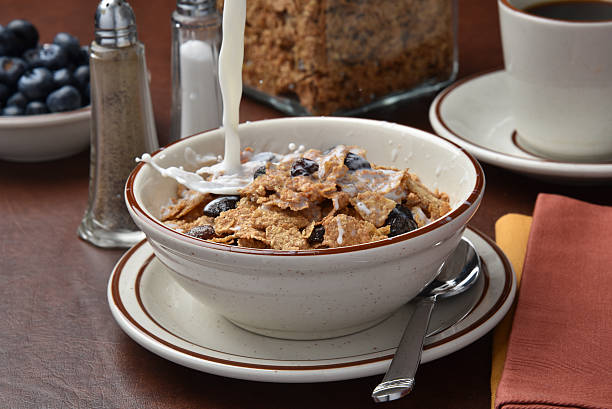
{"x":459,"y":273}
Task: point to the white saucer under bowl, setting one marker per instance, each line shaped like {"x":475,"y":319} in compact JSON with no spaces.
{"x":157,"y":313}
{"x":475,"y":113}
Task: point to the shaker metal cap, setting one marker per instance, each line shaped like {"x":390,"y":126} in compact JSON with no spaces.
{"x":115,"y":24}
{"x":195,"y":8}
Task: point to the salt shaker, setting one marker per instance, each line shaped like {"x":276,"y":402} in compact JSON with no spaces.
{"x":196,"y":95}
{"x":123,"y":127}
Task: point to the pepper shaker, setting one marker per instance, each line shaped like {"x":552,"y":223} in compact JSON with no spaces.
{"x":123,"y":127}
{"x":196,"y":95}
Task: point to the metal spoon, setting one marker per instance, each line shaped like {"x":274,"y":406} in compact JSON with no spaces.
{"x":459,"y":272}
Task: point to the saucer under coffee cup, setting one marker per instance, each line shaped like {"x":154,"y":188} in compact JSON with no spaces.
{"x":560,"y":76}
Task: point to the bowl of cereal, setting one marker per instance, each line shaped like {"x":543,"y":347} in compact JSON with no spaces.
{"x":341,"y":220}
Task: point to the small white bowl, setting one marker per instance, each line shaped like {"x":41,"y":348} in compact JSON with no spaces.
{"x":38,"y":138}
{"x":313,"y":294}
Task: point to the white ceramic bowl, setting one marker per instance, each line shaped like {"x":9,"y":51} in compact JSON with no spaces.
{"x":310,"y":294}
{"x":37,"y":138}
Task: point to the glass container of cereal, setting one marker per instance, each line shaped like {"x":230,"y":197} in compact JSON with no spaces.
{"x":338,"y":57}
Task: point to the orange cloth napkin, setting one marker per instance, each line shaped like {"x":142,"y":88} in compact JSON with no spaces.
{"x":560,"y":348}
{"x":511,"y":234}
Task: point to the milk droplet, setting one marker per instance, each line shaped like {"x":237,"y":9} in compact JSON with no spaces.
{"x":394,"y":153}
{"x":340,"y":232}
{"x":363,"y":208}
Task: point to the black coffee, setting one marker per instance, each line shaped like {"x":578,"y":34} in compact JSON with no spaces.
{"x":574,"y":10}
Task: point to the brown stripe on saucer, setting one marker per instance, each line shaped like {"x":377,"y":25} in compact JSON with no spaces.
{"x":116,"y":298}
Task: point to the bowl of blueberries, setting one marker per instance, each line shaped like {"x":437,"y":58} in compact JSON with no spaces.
{"x":44,"y":95}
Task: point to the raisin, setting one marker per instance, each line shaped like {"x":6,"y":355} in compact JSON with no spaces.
{"x":220,"y":204}
{"x":304,"y":167}
{"x":354,"y":162}
{"x":400,"y":221}
{"x":202,"y":232}
{"x":259,"y":171}
{"x":317,"y":234}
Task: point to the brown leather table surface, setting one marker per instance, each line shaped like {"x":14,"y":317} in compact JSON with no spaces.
{"x":59,"y":345}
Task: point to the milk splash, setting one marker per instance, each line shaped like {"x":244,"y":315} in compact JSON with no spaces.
{"x":221,"y":182}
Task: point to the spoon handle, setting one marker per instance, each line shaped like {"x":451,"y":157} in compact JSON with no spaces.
{"x":399,"y":379}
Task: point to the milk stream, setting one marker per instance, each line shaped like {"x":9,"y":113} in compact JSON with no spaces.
{"x":230,"y":79}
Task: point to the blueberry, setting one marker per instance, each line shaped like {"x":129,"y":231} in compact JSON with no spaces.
{"x":400,"y":220}
{"x":202,"y":232}
{"x":83,"y":58}
{"x":67,"y":98}
{"x":11,"y":68}
{"x":5,"y":92}
{"x":304,"y":167}
{"x":36,"y":108}
{"x":25,"y":34}
{"x":86,"y":95}
{"x":63,"y":77}
{"x":53,"y":56}
{"x":18,"y":100}
{"x":220,"y":204}
{"x":81,"y":75}
{"x":36,"y":83}
{"x":317,"y":234}
{"x":8,"y":42}
{"x":354,"y":162}
{"x":259,"y":171}
{"x":69,"y":43}
{"x":12,"y":110}
{"x":32,"y":57}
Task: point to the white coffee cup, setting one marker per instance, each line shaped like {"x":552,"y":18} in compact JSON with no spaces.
{"x":560,"y":83}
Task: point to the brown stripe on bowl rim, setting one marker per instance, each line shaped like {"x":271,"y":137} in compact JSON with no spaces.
{"x":155,"y":223}
{"x":42,"y":120}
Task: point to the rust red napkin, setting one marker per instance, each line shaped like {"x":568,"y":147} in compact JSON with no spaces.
{"x":560,"y":348}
